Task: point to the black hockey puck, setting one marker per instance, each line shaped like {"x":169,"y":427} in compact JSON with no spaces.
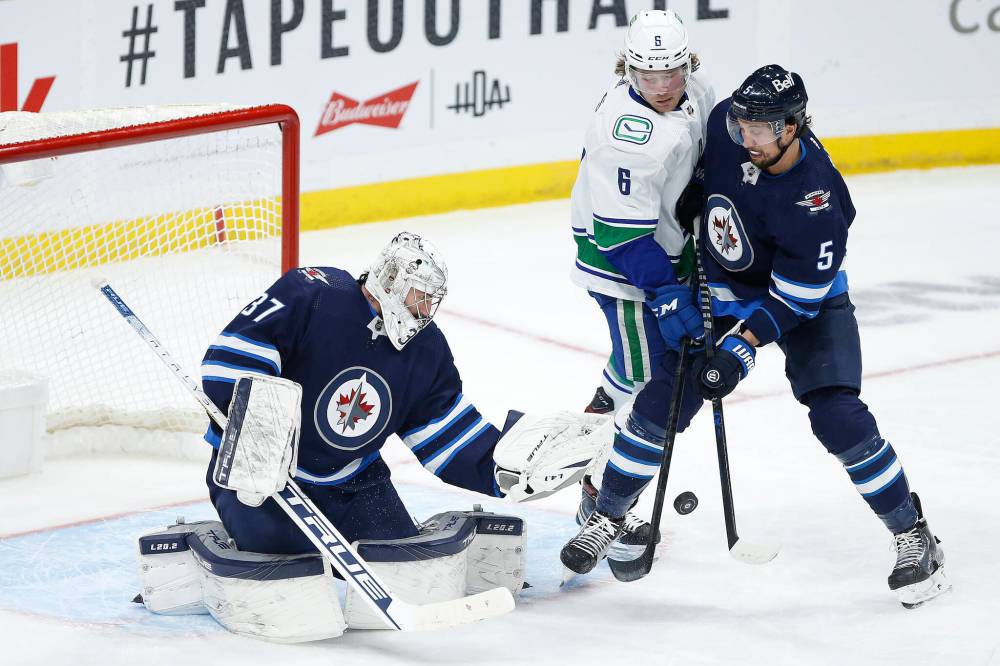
{"x":686,"y":502}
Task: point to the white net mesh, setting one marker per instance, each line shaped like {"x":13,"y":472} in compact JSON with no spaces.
{"x":188,"y":230}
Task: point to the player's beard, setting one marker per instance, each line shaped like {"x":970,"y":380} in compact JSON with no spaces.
{"x":763,"y":162}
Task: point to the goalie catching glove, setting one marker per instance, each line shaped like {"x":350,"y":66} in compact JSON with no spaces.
{"x":538,"y":455}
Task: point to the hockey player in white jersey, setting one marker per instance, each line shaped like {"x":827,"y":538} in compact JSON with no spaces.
{"x":634,"y":258}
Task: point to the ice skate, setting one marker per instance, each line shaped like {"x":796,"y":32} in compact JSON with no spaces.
{"x":918,"y":575}
{"x":601,"y":403}
{"x":623,"y":554}
{"x":582,"y":553}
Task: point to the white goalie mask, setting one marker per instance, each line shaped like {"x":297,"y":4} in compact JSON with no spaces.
{"x":408,"y":279}
{"x":657,"y":58}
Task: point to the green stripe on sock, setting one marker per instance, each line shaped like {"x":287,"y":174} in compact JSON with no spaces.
{"x":632,"y":333}
{"x":613,"y":371}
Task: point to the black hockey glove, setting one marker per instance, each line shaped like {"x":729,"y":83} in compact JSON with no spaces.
{"x":689,"y":205}
{"x":718,"y":376}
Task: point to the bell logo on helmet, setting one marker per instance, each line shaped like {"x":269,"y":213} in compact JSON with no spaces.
{"x":783,"y":83}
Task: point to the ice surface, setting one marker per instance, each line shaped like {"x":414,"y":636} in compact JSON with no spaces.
{"x":925,"y":277}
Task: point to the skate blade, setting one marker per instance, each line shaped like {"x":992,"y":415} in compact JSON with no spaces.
{"x":916,"y":595}
{"x":567,"y":575}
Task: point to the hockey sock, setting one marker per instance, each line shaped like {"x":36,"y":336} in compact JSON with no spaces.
{"x":842,"y":422}
{"x":616,"y":386}
{"x":878,"y":476}
{"x":634,"y":460}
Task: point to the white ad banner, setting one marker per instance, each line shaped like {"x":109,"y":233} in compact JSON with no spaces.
{"x":393,"y":89}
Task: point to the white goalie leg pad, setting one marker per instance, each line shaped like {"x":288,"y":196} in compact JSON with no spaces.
{"x":457,"y":553}
{"x":541,"y":454}
{"x":169,"y":576}
{"x":279,"y":598}
{"x":260,"y":444}
{"x":421,"y":569}
{"x":496,"y":556}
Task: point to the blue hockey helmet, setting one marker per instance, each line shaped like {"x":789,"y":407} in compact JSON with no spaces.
{"x":770,"y":95}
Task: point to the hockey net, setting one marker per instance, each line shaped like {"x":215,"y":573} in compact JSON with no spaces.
{"x":189,"y":212}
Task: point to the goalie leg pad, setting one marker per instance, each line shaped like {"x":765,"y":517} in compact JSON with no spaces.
{"x":425,"y":568}
{"x":196,"y":568}
{"x":497,"y":554}
{"x":280,"y":598}
{"x":168,"y":573}
{"x":456,"y":553}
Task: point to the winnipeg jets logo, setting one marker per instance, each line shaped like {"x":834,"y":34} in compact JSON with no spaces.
{"x":815,"y":201}
{"x":353,"y":409}
{"x":728,"y":241}
{"x":722,"y":233}
{"x":750,"y":173}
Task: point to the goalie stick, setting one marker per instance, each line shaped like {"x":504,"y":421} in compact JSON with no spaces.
{"x":744,"y":551}
{"x":397,"y":613}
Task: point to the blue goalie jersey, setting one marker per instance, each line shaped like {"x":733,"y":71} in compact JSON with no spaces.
{"x":773,"y":246}
{"x":314,"y":326}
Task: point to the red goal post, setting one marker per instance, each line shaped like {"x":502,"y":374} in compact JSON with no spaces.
{"x":191,"y":211}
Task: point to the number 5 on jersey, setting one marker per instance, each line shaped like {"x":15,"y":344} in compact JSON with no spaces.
{"x":250,"y":309}
{"x":825,"y":256}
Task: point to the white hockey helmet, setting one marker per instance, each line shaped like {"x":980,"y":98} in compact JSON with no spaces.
{"x":408,"y":279}
{"x":656,"y":41}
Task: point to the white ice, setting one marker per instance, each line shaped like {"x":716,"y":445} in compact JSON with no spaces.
{"x":924,"y":274}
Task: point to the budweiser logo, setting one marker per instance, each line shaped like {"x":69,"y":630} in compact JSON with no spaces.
{"x":385,"y":110}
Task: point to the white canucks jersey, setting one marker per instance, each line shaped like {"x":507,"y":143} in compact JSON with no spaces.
{"x":636,"y":163}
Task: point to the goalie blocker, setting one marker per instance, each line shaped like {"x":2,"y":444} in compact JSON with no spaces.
{"x":196,"y":568}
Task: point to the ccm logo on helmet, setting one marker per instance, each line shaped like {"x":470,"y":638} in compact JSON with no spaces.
{"x":783,"y":83}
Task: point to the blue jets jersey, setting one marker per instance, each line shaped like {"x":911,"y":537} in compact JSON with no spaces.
{"x":773,"y":246}
{"x":314,"y":326}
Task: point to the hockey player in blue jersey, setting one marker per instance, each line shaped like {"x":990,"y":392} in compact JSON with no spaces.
{"x":371,"y":364}
{"x":774,"y":238}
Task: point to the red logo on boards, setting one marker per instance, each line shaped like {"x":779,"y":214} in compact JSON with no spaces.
{"x":8,"y":83}
{"x":385,"y":110}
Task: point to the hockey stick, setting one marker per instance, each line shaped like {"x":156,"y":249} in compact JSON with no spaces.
{"x":397,"y":613}
{"x":744,"y":551}
{"x":673,"y":415}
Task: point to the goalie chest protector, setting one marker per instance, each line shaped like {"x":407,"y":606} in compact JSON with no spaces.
{"x":315,"y":326}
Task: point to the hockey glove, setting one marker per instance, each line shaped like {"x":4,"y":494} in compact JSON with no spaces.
{"x":689,"y":206}
{"x":676,"y":314}
{"x":718,"y":376}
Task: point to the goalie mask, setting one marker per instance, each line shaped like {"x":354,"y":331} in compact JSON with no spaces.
{"x":408,"y":279}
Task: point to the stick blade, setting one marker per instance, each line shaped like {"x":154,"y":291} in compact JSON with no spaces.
{"x":454,"y":612}
{"x":753,"y":553}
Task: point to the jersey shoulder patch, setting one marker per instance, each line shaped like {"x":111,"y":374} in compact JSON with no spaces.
{"x":632,"y":128}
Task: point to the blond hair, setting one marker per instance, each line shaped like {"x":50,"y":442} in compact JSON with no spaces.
{"x":620,"y":64}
